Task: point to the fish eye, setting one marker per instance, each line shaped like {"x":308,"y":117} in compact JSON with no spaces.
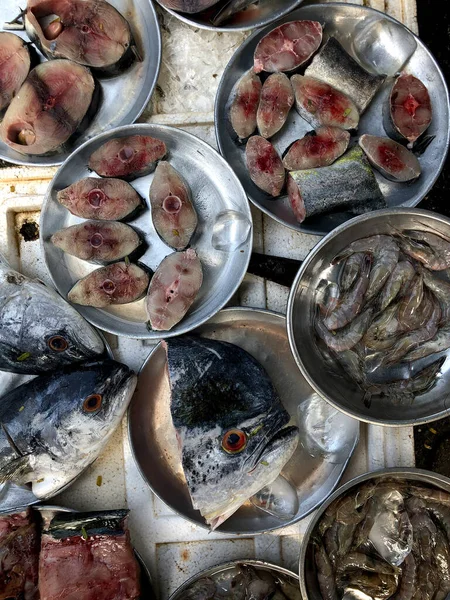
{"x":92,"y":403}
{"x":57,"y":343}
{"x":234,"y":441}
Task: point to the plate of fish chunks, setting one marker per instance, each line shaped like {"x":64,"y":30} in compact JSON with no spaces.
{"x":147,"y":231}
{"x":336,"y":111}
{"x":226,"y":431}
{"x":64,"y":65}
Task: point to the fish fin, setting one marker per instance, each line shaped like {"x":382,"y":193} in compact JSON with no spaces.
{"x":423,"y":144}
{"x":15,"y":470}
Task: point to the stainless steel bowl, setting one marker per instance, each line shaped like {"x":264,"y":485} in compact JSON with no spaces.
{"x":308,"y":581}
{"x":330,"y":384}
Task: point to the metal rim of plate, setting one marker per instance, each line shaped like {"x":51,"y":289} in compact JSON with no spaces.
{"x":306,"y":570}
{"x":134,"y":97}
{"x":165,"y":476}
{"x":257,"y":21}
{"x":229,"y":566}
{"x":242,"y":60}
{"x":223,"y":271}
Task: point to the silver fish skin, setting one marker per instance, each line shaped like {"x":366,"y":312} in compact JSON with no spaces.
{"x":39,"y":330}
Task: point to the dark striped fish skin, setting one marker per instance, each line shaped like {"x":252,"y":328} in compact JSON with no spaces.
{"x":277,"y":98}
{"x":318,"y":148}
{"x":264,"y":166}
{"x":244,"y":106}
{"x":392,"y":160}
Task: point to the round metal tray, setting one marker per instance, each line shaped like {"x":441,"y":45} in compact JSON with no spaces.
{"x":339,"y":20}
{"x":134,"y":86}
{"x":154,"y":444}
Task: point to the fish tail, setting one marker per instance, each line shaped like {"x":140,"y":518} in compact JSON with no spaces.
{"x":16,"y":470}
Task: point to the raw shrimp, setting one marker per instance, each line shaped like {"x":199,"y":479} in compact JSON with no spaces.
{"x":358,"y":560}
{"x":350,"y":270}
{"x":406,"y":588}
{"x":384,"y":262}
{"x":412,"y":299}
{"x":440,"y":342}
{"x":383,"y":330}
{"x":423,"y":253}
{"x":438,"y":244}
{"x":430,"y":495}
{"x":398,"y":280}
{"x":441,"y":289}
{"x":424,"y":530}
{"x":347,"y":337}
{"x":327,"y":297}
{"x":325,"y":574}
{"x":441,"y":560}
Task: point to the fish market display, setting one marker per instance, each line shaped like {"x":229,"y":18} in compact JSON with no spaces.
{"x":97,"y":241}
{"x":49,"y":108}
{"x":393,"y":160}
{"x":57,"y":424}
{"x":233,"y":434}
{"x":349,"y":184}
{"x":90,"y":32}
{"x":408,"y":111}
{"x":102,"y":199}
{"x":127,"y":157}
{"x":39,"y":330}
{"x":88,"y":555}
{"x":15,"y":63}
{"x":264,"y":165}
{"x":173,"y":289}
{"x":335,"y":66}
{"x":19,"y":550}
{"x":244,"y":107}
{"x":275,"y":103}
{"x":189,"y":6}
{"x":173,"y":214}
{"x":288,"y":46}
{"x":317,"y":149}
{"x":119,"y":283}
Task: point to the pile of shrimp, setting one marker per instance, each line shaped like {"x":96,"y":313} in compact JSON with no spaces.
{"x":385,"y":538}
{"x":389,"y":310}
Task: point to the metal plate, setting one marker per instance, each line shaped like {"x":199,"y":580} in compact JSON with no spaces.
{"x":256,"y":15}
{"x":154,"y":444}
{"x":340,"y":20}
{"x":134,"y":86}
{"x":214,"y":188}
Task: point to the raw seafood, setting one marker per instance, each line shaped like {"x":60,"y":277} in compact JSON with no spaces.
{"x":349,"y":184}
{"x":277,"y":98}
{"x":335,"y":66}
{"x":49,"y":108}
{"x":430,"y":249}
{"x":97,"y":241}
{"x":393,"y":160}
{"x":347,"y":337}
{"x":88,"y":555}
{"x":189,"y":6}
{"x":245,"y":104}
{"x":264,"y":165}
{"x":39,"y":330}
{"x":90,"y":32}
{"x":230,"y":8}
{"x":397,"y":283}
{"x":55,"y":425}
{"x":232,"y":433}
{"x":317,"y":149}
{"x":102,"y":199}
{"x":127,"y":157}
{"x":119,"y":283}
{"x":15,"y":63}
{"x":321,"y":104}
{"x":288,"y":46}
{"x":173,"y":289}
{"x":173,"y":214}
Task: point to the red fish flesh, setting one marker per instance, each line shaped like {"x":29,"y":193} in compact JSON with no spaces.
{"x":393,"y":160}
{"x":127,"y":157}
{"x":288,"y":46}
{"x":277,"y":98}
{"x":173,"y":289}
{"x":317,"y":149}
{"x":264,"y":165}
{"x":245,"y":103}
{"x":188,"y":6}
{"x":173,"y":213}
{"x":50,"y":106}
{"x":15,"y":62}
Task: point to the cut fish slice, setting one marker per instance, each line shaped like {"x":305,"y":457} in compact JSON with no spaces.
{"x":264,"y":165}
{"x":15,"y":63}
{"x":245,"y":103}
{"x":393,"y":160}
{"x":277,"y":98}
{"x":317,"y":149}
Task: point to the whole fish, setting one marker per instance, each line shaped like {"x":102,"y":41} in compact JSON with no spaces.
{"x":15,"y":61}
{"x":233,"y":434}
{"x":264,"y":165}
{"x":244,"y":106}
{"x":39,"y":330}
{"x":317,"y":149}
{"x":393,"y":160}
{"x":276,"y":100}
{"x":55,"y":425}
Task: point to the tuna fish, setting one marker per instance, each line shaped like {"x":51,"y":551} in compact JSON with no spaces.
{"x":245,"y":104}
{"x":264,"y":165}
{"x":407,"y":113}
{"x":39,"y":330}
{"x":336,"y":67}
{"x":173,"y":213}
{"x":101,"y":199}
{"x":348,"y":185}
{"x":317,"y":149}
{"x":277,"y":98}
{"x":57,"y":424}
{"x":97,"y":241}
{"x":173,"y":289}
{"x":50,"y":107}
{"x":230,"y":424}
{"x":393,"y":160}
{"x":127,"y":157}
{"x":90,"y":32}
{"x":321,"y":104}
{"x":119,"y":283}
{"x":15,"y":62}
{"x":288,"y":46}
